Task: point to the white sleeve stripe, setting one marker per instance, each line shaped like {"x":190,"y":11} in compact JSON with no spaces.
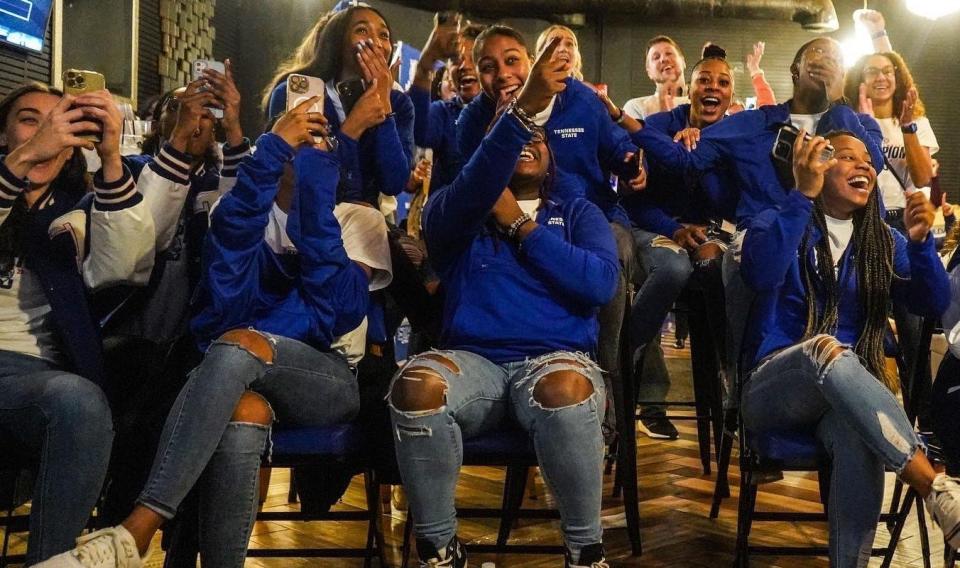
{"x":9,"y":189}
{"x":174,"y":162}
{"x":112,"y":199}
{"x":163,"y":168}
{"x":115,"y":190}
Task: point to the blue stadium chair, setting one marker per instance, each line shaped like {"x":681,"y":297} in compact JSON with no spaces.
{"x":341,"y":444}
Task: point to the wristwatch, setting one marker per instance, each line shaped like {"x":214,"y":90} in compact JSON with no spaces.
{"x":909,"y":128}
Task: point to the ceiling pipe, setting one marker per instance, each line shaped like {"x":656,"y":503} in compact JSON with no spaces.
{"x":812,"y":15}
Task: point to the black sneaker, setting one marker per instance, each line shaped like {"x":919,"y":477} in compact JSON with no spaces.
{"x":591,"y":556}
{"x":658,"y":427}
{"x":452,"y":556}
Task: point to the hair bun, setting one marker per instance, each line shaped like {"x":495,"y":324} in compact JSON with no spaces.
{"x":712,"y":50}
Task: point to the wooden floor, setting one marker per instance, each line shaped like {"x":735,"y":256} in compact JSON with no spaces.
{"x":675,"y":502}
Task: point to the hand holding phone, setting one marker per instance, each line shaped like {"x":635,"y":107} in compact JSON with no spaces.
{"x":808,"y":164}
{"x":200,"y":67}
{"x":368,"y":111}
{"x":78,"y":82}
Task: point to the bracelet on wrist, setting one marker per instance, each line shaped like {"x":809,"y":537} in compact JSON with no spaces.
{"x":620,"y":117}
{"x":514,"y":110}
{"x":910,"y":128}
{"x":878,"y":35}
{"x":514,"y":227}
{"x":522,"y":114}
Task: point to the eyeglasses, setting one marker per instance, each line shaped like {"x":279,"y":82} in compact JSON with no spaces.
{"x":539,"y":135}
{"x":873,"y":72}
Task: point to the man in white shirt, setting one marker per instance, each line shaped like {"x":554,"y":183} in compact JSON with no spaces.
{"x":665,"y":67}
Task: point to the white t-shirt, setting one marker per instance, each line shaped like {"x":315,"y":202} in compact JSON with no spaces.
{"x":642,"y":107}
{"x":893,"y":148}
{"x":529,"y":206}
{"x":839,"y":232}
{"x":807,"y":122}
{"x":364,"y":234}
{"x":25,"y":325}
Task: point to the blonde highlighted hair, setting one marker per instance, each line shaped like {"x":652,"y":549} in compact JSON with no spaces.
{"x":545,"y":35}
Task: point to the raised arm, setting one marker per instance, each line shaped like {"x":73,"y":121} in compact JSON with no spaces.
{"x":773,"y":236}
{"x":455,"y":214}
{"x":921,"y":282}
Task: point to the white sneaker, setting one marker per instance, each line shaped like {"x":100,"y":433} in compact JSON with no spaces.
{"x":944,"y":504}
{"x":112,"y":547}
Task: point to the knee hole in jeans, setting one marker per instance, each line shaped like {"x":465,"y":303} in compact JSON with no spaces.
{"x":707,"y":252}
{"x":253,"y":342}
{"x":824,"y":349}
{"x":562,"y":388}
{"x":252,"y":408}
{"x":450,"y":365}
{"x":418,"y":389}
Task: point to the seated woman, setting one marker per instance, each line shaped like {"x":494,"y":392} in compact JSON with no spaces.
{"x":525,"y":275}
{"x":57,"y":244}
{"x":825,"y":266}
{"x":278,"y":290}
{"x":670,"y":226}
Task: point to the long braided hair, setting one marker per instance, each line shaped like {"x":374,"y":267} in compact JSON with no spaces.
{"x":873,"y":245}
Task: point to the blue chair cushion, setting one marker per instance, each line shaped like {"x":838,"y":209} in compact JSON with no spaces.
{"x":512,"y":443}
{"x":335,"y":440}
{"x":787,"y":447}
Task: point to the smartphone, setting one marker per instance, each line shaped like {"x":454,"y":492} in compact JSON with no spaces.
{"x":198,"y":68}
{"x":301,"y":88}
{"x":77,"y":82}
{"x":350,"y":92}
{"x":786,"y":138}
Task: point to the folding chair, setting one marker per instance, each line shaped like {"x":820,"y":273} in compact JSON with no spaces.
{"x":341,"y":444}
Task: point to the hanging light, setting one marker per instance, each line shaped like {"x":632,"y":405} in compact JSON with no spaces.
{"x":933,"y":9}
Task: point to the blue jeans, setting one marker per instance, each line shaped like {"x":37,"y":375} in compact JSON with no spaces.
{"x":857,"y":419}
{"x":61,"y":421}
{"x":667,"y":268}
{"x":201,"y":445}
{"x":480,"y":396}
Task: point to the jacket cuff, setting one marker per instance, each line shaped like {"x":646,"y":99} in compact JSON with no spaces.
{"x":10,"y":186}
{"x":172,"y":164}
{"x":115,"y":195}
{"x":232,"y":156}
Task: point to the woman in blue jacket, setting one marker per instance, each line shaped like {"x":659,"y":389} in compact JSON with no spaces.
{"x":58,"y":243}
{"x":525,"y":274}
{"x":824,"y":267}
{"x":271,"y":314}
{"x":375,"y":138}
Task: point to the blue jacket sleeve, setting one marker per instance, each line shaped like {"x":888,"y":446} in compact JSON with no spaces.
{"x":472,"y":125}
{"x":922,"y":283}
{"x":331,"y":284}
{"x":429,"y":119}
{"x":714,"y":146}
{"x":455,"y":214}
{"x":585,"y":269}
{"x":646,"y":215}
{"x":771,"y":242}
{"x":394,"y":146}
{"x":237,"y":226}
{"x":613,"y":141}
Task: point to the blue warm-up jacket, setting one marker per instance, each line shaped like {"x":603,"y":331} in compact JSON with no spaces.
{"x":313,"y":296}
{"x":585,"y":143}
{"x":380,"y":162}
{"x":671,"y":196}
{"x":435,"y":126}
{"x":505,"y":302}
{"x":770,"y":265}
{"x":742,"y":143}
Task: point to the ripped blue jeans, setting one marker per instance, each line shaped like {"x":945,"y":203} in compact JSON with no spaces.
{"x":201,"y":443}
{"x":481,"y":396}
{"x":815,"y":387}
